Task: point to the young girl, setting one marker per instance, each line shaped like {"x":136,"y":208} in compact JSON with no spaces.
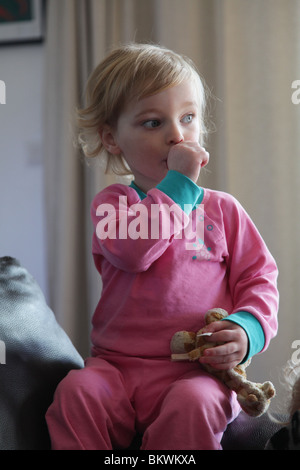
{"x":167,"y":251}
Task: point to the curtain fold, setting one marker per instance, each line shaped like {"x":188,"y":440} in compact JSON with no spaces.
{"x":66,"y":70}
{"x":258,"y":143}
{"x":248,"y":53}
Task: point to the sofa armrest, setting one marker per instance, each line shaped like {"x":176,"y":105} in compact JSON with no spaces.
{"x":36,"y":355}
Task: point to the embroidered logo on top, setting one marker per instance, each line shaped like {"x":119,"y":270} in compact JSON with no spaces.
{"x":202,"y":251}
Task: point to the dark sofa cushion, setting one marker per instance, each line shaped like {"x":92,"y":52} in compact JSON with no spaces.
{"x":248,"y":433}
{"x":35,"y":354}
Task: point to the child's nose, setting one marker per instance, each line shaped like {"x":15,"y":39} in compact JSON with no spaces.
{"x":174,"y":134}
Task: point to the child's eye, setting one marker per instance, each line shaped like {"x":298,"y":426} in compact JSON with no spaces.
{"x":151,"y":123}
{"x":188,"y":118}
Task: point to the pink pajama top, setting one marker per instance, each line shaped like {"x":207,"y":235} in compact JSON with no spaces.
{"x":168,"y":256}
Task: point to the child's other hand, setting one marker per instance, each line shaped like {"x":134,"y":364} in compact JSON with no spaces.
{"x":232,"y":352}
{"x":188,"y":158}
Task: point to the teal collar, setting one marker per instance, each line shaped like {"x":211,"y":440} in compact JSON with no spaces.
{"x":138,"y":190}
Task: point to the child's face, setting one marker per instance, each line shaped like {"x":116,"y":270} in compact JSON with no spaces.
{"x":148,"y":128}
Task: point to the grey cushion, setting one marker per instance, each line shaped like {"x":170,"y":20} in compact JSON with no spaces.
{"x":248,"y":433}
{"x":37,"y":355}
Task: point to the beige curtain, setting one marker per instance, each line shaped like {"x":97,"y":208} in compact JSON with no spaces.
{"x":257,"y":148}
{"x":248,"y":53}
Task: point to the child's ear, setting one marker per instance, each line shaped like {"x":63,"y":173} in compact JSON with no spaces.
{"x":108,"y":140}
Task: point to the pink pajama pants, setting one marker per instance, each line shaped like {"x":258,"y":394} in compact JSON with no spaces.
{"x":177,"y":406}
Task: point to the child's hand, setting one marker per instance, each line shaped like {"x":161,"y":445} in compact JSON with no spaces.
{"x":187,"y":158}
{"x":234,"y":349}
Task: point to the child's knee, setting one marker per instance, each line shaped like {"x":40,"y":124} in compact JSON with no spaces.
{"x":200,"y":394}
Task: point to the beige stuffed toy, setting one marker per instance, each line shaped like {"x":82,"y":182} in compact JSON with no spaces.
{"x":254,"y":398}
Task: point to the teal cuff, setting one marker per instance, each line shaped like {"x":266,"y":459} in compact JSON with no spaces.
{"x":253,"y":329}
{"x":182,"y":190}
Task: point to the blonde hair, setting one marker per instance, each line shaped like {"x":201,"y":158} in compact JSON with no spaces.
{"x":129,"y":72}
{"x":290,"y":380}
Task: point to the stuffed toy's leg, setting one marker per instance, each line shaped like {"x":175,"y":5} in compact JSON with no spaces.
{"x":254,"y":398}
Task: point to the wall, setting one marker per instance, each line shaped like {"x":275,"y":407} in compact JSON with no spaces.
{"x":21,"y":158}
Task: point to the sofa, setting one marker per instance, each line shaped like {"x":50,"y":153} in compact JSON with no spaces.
{"x":36,"y":353}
